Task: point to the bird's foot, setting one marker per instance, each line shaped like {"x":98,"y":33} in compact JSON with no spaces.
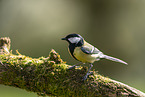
{"x":86,"y":76}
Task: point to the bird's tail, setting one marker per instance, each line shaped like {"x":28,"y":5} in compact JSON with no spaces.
{"x":114,"y":59}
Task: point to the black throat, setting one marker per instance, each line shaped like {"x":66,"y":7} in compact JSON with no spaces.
{"x":72,"y":46}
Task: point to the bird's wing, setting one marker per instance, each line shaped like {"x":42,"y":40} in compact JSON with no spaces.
{"x":89,"y":49}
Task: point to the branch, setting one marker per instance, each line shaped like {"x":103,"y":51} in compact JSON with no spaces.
{"x":49,"y":76}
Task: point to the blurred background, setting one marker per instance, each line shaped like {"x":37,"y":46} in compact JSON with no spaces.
{"x":116,"y":27}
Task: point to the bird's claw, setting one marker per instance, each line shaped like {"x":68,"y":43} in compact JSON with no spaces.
{"x":86,"y":76}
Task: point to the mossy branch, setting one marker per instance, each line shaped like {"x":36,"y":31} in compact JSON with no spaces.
{"x":49,"y":76}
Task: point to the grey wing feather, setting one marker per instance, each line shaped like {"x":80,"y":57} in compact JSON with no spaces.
{"x":89,"y":50}
{"x":96,"y":51}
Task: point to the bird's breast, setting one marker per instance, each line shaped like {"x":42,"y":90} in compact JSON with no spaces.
{"x":83,"y":57}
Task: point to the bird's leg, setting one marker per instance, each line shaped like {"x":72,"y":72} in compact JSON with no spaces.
{"x":74,"y":65}
{"x":88,"y":73}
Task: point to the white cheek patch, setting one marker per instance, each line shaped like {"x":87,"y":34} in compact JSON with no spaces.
{"x":74,"y":39}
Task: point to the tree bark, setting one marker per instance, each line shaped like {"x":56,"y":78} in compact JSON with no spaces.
{"x":50,"y":76}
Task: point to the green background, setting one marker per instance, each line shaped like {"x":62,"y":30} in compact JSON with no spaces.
{"x":116,"y":27}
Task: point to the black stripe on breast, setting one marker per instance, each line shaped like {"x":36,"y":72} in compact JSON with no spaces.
{"x":71,"y":49}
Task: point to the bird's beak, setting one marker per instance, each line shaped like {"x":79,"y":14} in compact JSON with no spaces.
{"x":63,"y":38}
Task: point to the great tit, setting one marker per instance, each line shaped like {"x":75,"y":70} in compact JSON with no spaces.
{"x":85,"y":52}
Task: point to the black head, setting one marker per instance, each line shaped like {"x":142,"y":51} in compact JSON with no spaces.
{"x":74,"y":39}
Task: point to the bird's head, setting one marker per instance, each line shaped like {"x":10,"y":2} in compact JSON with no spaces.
{"x":75,"y":39}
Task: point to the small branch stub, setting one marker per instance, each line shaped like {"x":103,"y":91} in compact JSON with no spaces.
{"x":55,"y":57}
{"x":4,"y":45}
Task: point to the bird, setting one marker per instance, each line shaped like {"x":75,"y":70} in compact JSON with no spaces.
{"x":86,"y":53}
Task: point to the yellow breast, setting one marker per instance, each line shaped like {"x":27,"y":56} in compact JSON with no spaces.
{"x":83,"y":57}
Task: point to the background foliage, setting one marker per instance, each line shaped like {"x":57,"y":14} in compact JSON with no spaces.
{"x":115,"y":27}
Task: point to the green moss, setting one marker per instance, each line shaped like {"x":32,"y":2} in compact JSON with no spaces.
{"x":49,"y":76}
